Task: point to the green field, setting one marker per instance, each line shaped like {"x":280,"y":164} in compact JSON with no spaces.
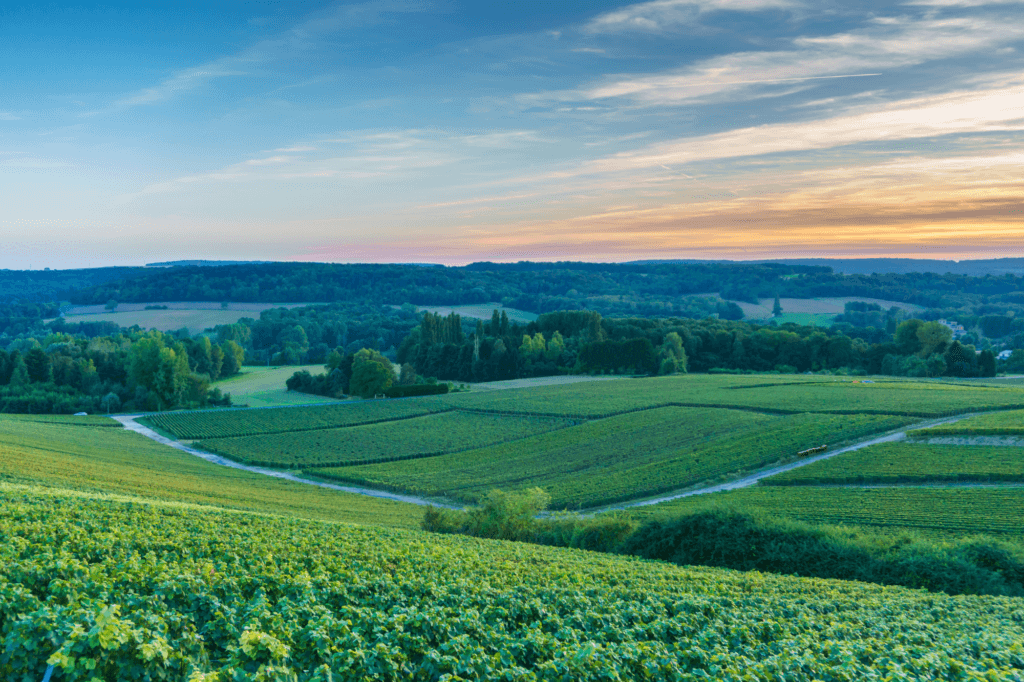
{"x":265,"y":387}
{"x":422,"y":436}
{"x":1010,"y":423}
{"x":194,"y":316}
{"x":942,"y":512}
{"x":107,"y":460}
{"x":911,"y":463}
{"x":109,"y":590}
{"x":228,"y":423}
{"x":480,"y":311}
{"x":624,"y":457}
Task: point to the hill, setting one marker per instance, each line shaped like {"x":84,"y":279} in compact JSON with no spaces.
{"x":117,"y":590}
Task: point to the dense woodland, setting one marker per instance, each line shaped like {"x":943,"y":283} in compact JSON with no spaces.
{"x":594,"y":318}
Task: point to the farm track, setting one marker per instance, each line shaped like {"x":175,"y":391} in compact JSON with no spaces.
{"x":129,"y":422}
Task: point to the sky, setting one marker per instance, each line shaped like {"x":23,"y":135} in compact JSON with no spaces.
{"x":446,"y":131}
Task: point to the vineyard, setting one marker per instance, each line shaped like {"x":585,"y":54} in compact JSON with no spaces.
{"x":422,"y":436}
{"x":108,"y":460}
{"x":911,"y":463}
{"x":230,"y":423}
{"x":112,"y":591}
{"x":940,"y":512}
{"x":623,"y":457}
{"x":1009,"y":423}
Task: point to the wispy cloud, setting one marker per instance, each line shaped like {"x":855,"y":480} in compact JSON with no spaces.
{"x":883,"y":44}
{"x":296,"y":40}
{"x":7,"y":116}
{"x":958,"y":112}
{"x":663,"y":15}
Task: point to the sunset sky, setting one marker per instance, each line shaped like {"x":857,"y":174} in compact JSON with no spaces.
{"x":448,"y":131}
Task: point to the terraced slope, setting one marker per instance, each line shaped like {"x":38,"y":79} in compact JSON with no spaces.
{"x":105,"y":590}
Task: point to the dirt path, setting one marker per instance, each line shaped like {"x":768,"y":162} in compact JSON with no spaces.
{"x":128,"y":421}
{"x":747,"y":481}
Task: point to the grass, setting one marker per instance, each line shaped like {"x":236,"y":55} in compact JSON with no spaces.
{"x":911,"y":463}
{"x":265,"y":387}
{"x":195,"y":316}
{"x":949,"y":513}
{"x":107,"y":460}
{"x":821,"y":306}
{"x":481,"y":311}
{"x":423,"y":436}
{"x":622,"y":457}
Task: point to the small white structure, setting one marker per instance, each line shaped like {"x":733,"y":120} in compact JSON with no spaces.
{"x":1004,"y":355}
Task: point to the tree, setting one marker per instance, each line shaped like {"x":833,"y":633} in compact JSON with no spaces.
{"x":556,"y":346}
{"x":110,"y":403}
{"x":987,"y":363}
{"x":234,"y":356}
{"x":39,"y":368}
{"x":934,"y":338}
{"x":111,"y":305}
{"x":777,"y":308}
{"x":372,"y":373}
{"x":906,"y":336}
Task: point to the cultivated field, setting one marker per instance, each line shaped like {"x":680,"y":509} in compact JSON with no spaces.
{"x":195,"y":316}
{"x":942,"y":512}
{"x":1010,"y":423}
{"x":423,"y":436}
{"x":64,"y":454}
{"x":97,"y":588}
{"x":619,"y":458}
{"x":823,"y":307}
{"x":911,"y":463}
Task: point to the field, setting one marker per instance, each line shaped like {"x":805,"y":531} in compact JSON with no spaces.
{"x":264,"y":387}
{"x":628,"y":456}
{"x":1009,"y":423}
{"x":195,"y":316}
{"x":949,"y":512}
{"x":815,"y":306}
{"x":109,"y":590}
{"x":422,"y":436}
{"x":231,"y":423}
{"x":480,"y":311}
{"x":911,"y":463}
{"x":109,"y":460}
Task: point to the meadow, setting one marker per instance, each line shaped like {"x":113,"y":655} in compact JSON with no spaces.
{"x":112,"y":590}
{"x":196,"y":316}
{"x":421,"y":436}
{"x":264,"y":387}
{"x":99,"y":459}
{"x":940,"y":512}
{"x":911,"y":463}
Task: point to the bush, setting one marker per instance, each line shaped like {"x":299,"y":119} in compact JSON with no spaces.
{"x":416,"y":389}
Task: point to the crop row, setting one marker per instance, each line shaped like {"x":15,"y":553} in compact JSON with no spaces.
{"x":952,"y":512}
{"x":422,"y":436}
{"x":623,"y":457}
{"x":1008,"y":423}
{"x":104,"y":460}
{"x":911,"y":463}
{"x":232,"y":423}
{"x":111,"y":591}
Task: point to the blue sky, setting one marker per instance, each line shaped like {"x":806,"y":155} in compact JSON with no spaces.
{"x":446,"y":131}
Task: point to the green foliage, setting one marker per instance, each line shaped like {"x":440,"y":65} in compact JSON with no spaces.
{"x":730,"y":539}
{"x":419,"y":436}
{"x":911,"y":463}
{"x":133,"y":591}
{"x":945,"y":513}
{"x":413,"y":390}
{"x":372,"y":374}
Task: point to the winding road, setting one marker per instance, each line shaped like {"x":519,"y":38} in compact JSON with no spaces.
{"x":129,"y":422}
